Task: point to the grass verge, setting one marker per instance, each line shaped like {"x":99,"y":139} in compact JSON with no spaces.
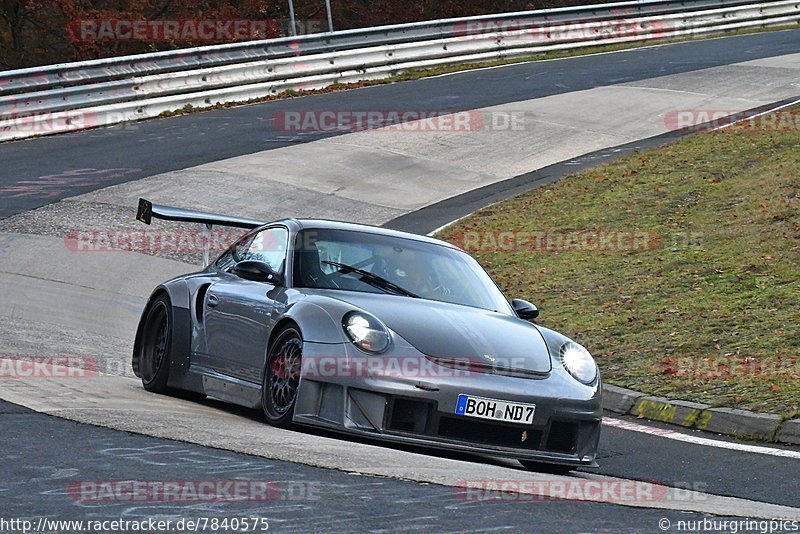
{"x":707,"y":306}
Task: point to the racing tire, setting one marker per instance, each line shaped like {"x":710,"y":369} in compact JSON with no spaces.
{"x":282,"y":377}
{"x":154,"y":346}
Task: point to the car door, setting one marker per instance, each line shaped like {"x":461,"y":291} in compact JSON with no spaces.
{"x":239,"y":313}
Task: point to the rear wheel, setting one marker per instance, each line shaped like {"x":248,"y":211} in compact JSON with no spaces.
{"x":282,"y":377}
{"x":154,"y":348}
{"x":553,"y":469}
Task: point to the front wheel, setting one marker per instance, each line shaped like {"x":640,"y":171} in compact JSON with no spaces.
{"x":553,"y":469}
{"x":154,"y":346}
{"x":282,"y":377}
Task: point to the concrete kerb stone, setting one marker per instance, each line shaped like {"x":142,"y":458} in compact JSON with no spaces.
{"x":619,"y":400}
{"x":728,"y":421}
{"x":683,"y":413}
{"x":790,"y":432}
{"x":743,"y":423}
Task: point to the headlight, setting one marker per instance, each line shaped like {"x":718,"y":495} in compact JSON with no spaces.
{"x":578,"y":362}
{"x":366,"y":332}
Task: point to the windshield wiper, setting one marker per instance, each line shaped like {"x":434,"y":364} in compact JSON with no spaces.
{"x":372,"y":279}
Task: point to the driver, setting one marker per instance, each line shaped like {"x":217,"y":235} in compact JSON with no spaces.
{"x":409,"y":270}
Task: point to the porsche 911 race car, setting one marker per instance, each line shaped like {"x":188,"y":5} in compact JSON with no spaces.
{"x":371,"y":332}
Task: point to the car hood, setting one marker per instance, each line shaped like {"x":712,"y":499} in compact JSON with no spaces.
{"x":460,"y":334}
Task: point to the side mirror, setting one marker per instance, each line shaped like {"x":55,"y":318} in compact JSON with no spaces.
{"x":524,"y":309}
{"x":257,"y":271}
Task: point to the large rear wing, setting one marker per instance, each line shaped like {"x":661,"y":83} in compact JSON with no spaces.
{"x":147,"y":211}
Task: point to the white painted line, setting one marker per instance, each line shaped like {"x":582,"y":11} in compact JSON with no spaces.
{"x":451,"y":223}
{"x":767,"y":112}
{"x":697,"y":440}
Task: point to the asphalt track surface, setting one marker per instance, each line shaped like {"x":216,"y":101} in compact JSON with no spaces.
{"x":44,"y":453}
{"x":37,"y":172}
{"x":45,"y":456}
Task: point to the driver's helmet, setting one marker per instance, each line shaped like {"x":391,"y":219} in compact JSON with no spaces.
{"x":406,"y":268}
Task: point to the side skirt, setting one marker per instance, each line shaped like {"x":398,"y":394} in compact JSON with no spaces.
{"x":226,"y":388}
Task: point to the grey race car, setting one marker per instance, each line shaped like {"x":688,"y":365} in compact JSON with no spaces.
{"x":372,"y":332}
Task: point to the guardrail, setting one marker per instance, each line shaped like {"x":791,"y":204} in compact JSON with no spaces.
{"x":73,"y":96}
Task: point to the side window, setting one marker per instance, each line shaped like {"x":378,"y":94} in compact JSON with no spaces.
{"x":267,"y":245}
{"x":232,"y":255}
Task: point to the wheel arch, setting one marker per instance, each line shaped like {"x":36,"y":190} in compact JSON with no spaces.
{"x":177,"y":293}
{"x":282,"y":323}
{"x":160,"y":290}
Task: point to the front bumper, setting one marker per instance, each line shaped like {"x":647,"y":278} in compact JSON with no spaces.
{"x":419,"y":408}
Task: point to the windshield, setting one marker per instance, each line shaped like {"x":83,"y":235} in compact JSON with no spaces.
{"x":374,"y":263}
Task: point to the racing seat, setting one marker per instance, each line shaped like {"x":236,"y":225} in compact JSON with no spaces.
{"x":309,"y":268}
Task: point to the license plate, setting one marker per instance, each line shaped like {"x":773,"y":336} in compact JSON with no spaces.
{"x":497,"y":410}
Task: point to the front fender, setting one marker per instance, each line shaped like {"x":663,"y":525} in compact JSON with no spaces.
{"x":178,"y":293}
{"x":316,"y":323}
